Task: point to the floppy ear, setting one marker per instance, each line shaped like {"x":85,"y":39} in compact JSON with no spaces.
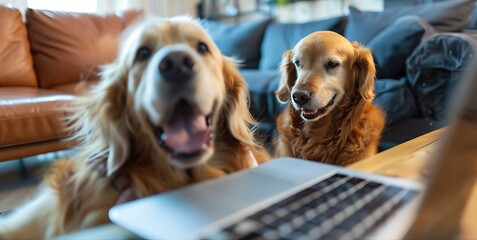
{"x":364,"y":72}
{"x":100,"y":123}
{"x":287,"y":78}
{"x":236,"y":104}
{"x":116,"y":133}
{"x":100,"y":120}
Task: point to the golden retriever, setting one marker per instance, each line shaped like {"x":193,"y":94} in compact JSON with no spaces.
{"x":170,"y":111}
{"x":327,"y":83}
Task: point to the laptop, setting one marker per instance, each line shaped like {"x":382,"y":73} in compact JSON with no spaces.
{"x":290,"y":198}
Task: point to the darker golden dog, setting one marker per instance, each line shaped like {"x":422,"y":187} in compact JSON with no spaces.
{"x":327,"y":83}
{"x":170,"y":111}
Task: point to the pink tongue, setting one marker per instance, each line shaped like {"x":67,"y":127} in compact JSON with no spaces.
{"x":187,"y":130}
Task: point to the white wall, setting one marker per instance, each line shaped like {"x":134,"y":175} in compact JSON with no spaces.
{"x":20,"y":4}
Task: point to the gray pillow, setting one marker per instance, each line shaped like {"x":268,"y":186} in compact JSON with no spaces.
{"x":240,"y":40}
{"x":280,"y":37}
{"x":447,"y":16}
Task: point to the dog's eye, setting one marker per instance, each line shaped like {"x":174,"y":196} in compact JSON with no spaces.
{"x":297,"y":63}
{"x":331,"y":64}
{"x":143,"y":54}
{"x":202,"y":48}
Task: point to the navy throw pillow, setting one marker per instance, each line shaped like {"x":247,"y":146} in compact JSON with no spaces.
{"x":395,"y":98}
{"x":434,"y":69}
{"x":280,"y":37}
{"x":447,"y":16}
{"x":240,"y":41}
{"x":395,"y":43}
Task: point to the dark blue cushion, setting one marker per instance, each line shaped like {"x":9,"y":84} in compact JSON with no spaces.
{"x":393,"y":45}
{"x":395,"y":98}
{"x":264,"y":106}
{"x":241,"y":40}
{"x":280,"y":37}
{"x":262,"y":85}
{"x":447,"y":16}
{"x":398,"y":132}
{"x":434,"y":69}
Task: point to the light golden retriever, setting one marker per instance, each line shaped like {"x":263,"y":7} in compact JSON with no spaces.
{"x":170,"y":111}
{"x":327,"y":83}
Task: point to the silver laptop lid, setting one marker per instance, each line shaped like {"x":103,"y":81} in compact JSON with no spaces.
{"x":185,"y":213}
{"x":196,"y":211}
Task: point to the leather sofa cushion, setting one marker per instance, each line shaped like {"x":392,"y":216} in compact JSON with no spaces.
{"x":15,"y":59}
{"x":69,"y":47}
{"x":30,"y":115}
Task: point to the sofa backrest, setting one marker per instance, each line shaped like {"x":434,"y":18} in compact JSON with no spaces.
{"x":240,"y":40}
{"x":446,"y":16}
{"x":16,"y":66}
{"x":280,"y":37}
{"x":70,"y":47}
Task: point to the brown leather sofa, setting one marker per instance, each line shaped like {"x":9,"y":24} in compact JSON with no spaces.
{"x":41,"y":63}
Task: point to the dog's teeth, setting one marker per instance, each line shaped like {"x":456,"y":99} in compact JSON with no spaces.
{"x":211,"y":136}
{"x":204,"y":146}
{"x":306,"y":111}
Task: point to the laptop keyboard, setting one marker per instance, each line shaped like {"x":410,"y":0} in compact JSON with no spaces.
{"x":338,"y":207}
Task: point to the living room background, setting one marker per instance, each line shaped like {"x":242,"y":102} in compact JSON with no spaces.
{"x":424,"y":62}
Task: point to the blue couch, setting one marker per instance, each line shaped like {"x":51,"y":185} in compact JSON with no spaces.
{"x":419,"y":52}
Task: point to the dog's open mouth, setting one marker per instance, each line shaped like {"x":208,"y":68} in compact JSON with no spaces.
{"x":187,"y":134}
{"x":310,"y":114}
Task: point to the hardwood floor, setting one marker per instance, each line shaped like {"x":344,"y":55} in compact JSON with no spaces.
{"x":11,"y":199}
{"x":19,"y":179}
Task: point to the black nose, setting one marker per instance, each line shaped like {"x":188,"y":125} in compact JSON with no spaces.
{"x":300,"y":97}
{"x":177,"y":67}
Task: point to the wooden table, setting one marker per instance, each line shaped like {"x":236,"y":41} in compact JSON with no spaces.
{"x":407,"y":161}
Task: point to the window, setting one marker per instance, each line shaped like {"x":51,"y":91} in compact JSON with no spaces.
{"x":64,"y":5}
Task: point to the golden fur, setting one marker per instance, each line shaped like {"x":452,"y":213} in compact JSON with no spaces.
{"x":338,"y":76}
{"x":113,"y":128}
